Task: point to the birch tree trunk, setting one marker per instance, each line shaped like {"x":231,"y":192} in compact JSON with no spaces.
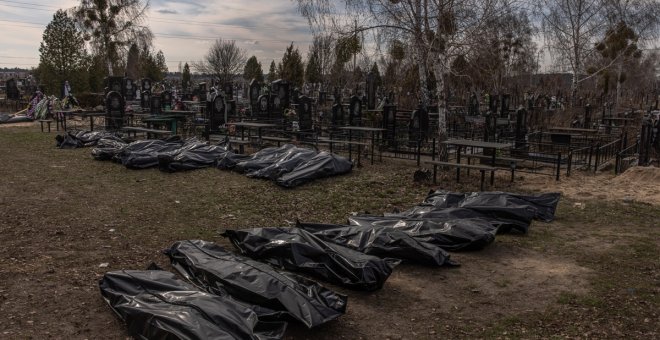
{"x":439,"y":71}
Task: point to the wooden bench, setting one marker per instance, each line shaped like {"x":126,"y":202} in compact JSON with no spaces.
{"x":513,"y":162}
{"x":331,"y":142}
{"x":149,"y":132}
{"x":459,"y":166}
{"x":241,"y":144}
{"x":279,"y":140}
{"x":47,"y":121}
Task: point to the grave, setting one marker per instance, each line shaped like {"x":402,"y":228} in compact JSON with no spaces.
{"x":145,"y":84}
{"x":156,"y":104}
{"x":114,"y":84}
{"x":167,"y":100}
{"x":145,"y":100}
{"x":305,"y":113}
{"x":202,"y":91}
{"x":11,"y":87}
{"x":505,"y":103}
{"x":217,"y":113}
{"x":228,"y":89}
{"x":418,"y":127}
{"x":129,"y":89}
{"x":254,"y":94}
{"x":280,"y":93}
{"x":355,"y":111}
{"x":337,"y":118}
{"x":371,"y":90}
{"x":114,"y":111}
{"x":520,"y":141}
{"x":389,"y":124}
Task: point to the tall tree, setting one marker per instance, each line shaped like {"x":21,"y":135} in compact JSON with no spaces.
{"x":571,"y":29}
{"x":224,"y":60}
{"x":313,"y":70}
{"x":112,"y":26}
{"x":292,"y":68}
{"x":253,"y":70}
{"x":323,"y":46}
{"x":186,"y":77}
{"x":152,"y":65}
{"x":62,"y":54}
{"x":272,"y":72}
{"x":133,"y":62}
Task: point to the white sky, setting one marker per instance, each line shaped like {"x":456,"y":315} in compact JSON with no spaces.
{"x":184,"y":29}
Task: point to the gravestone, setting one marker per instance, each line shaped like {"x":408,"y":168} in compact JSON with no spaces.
{"x":473,"y":109}
{"x":355,"y":111}
{"x":254,"y":94}
{"x":490,"y":128}
{"x":114,"y":84}
{"x":167,"y":100}
{"x":156,"y":104}
{"x":371,"y":90}
{"x":389,"y":123}
{"x":337,"y":118}
{"x":145,"y":100}
{"x":322,"y":97}
{"x":587,"y":116}
{"x":114,"y":111}
{"x":520,"y":144}
{"x":305,"y":113}
{"x":418,"y":127}
{"x":218,"y":112}
{"x":202,"y":91}
{"x":280,"y":91}
{"x":228,"y":88}
{"x":264,"y":104}
{"x":11,"y":87}
{"x":145,"y":84}
{"x":129,"y":89}
{"x":505,"y":104}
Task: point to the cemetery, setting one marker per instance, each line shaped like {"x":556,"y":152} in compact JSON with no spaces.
{"x":462,"y":193}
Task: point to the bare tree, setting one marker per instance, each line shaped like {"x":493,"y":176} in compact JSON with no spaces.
{"x":571,"y":28}
{"x":112,"y":26}
{"x":224,"y":60}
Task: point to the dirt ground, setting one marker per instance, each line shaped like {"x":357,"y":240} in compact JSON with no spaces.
{"x":592,"y":273}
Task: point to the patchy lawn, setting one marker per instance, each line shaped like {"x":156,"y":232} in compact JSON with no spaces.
{"x":594,"y":272}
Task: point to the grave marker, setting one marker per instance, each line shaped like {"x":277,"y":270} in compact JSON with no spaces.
{"x":114,"y":111}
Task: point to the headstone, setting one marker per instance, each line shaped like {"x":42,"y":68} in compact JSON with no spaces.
{"x":371,"y":91}
{"x":129,"y":89}
{"x":115,"y":84}
{"x":280,"y":91}
{"x":167,"y":100}
{"x":156,"y":104}
{"x":114,"y":111}
{"x":264,"y":104}
{"x":473,"y":109}
{"x":337,"y":113}
{"x":355,"y":111}
{"x":202,"y":91}
{"x":228,"y":88}
{"x":521,"y":130}
{"x":505,"y":104}
{"x":305,"y":113}
{"x":418,"y":126}
{"x":254,"y":94}
{"x":145,"y":100}
{"x":145,"y":84}
{"x":322,"y":97}
{"x":218,"y":112}
{"x":389,"y":123}
{"x":587,"y":116}
{"x":12,"y":89}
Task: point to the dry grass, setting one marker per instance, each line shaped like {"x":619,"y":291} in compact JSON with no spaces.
{"x":594,"y":272}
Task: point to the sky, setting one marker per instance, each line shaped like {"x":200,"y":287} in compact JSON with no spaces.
{"x":184,"y":29}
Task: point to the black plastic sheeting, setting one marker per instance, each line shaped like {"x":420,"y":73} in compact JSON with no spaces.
{"x":287,"y":295}
{"x":298,"y":250}
{"x":81,"y":139}
{"x":154,"y":304}
{"x":465,"y":221}
{"x":288,"y":165}
{"x":385,"y":242}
